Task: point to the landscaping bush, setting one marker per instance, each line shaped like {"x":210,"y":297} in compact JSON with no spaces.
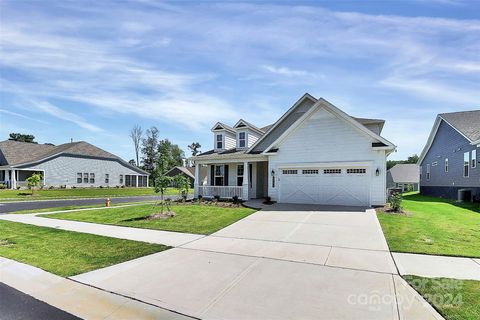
{"x":395,"y":202}
{"x":51,"y":187}
{"x":3,"y":186}
{"x":18,"y":187}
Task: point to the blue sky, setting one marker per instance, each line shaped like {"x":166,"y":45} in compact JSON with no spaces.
{"x":91,"y":70}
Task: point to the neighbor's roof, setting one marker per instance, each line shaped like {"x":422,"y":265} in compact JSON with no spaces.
{"x":467,"y":122}
{"x":17,"y":153}
{"x":406,"y":173}
{"x":184,"y":170}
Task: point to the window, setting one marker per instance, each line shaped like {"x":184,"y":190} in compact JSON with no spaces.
{"x":466,"y":163}
{"x":420,"y":169}
{"x":332,"y":171}
{"x":428,"y":172}
{"x":107,"y":178}
{"x":219,"y":175}
{"x":356,"y":171}
{"x":92,"y":177}
{"x":434,"y":163}
{"x":79,"y":177}
{"x":219,"y":141}
{"x":240,"y":175}
{"x":289,"y":171}
{"x":310,"y":171}
{"x":446,"y":164}
{"x":121,"y":179}
{"x":85,"y":177}
{"x":242,"y":139}
{"x":474,"y":158}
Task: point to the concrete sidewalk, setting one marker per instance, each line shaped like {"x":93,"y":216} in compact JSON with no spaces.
{"x":173,"y":239}
{"x":75,"y":298}
{"x":431,"y":266}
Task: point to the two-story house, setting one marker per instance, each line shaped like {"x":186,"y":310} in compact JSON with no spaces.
{"x":449,"y":164}
{"x":315,"y":153}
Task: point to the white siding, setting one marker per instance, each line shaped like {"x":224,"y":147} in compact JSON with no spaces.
{"x":252,"y":138}
{"x":63,"y":171}
{"x":230,"y":141}
{"x":322,"y":138}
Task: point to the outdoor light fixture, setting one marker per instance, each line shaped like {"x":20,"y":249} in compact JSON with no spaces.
{"x":273,"y":172}
{"x":377,"y":172}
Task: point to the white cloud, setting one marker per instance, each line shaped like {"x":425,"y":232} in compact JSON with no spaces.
{"x":284,"y":71}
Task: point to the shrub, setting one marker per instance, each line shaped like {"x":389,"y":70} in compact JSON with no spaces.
{"x":73,"y":187}
{"x":235,"y":199}
{"x":3,"y":186}
{"x":18,"y":187}
{"x":101,"y":187}
{"x":395,"y":201}
{"x":217,"y":197}
{"x":50,"y":187}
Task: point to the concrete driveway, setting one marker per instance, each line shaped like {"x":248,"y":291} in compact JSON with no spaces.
{"x":275,"y":265}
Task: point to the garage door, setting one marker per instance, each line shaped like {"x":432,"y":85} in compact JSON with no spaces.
{"x":332,"y":186}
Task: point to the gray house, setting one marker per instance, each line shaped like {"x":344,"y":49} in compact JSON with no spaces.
{"x":449,"y":163}
{"x":188,"y":172}
{"x":76,"y":164}
{"x":405,"y":176}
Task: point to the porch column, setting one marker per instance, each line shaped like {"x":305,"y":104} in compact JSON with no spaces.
{"x":136,"y":181}
{"x":245,"y":181}
{"x":14,"y":179}
{"x":196,"y":183}
{"x":7,"y":178}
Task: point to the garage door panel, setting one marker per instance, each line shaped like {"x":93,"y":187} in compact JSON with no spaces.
{"x":333,"y":189}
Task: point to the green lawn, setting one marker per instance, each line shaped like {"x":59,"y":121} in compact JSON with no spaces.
{"x":67,"y":253}
{"x":80,"y":193}
{"x":454,"y":299}
{"x":200,"y":219}
{"x":433,"y":226}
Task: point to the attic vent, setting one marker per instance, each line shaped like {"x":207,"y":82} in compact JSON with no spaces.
{"x":241,"y":125}
{"x":218,"y":128}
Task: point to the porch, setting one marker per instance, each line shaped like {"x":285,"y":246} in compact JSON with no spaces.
{"x":228,"y":179}
{"x":13,"y":178}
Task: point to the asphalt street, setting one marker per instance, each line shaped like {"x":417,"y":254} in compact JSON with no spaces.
{"x":16,"y":305}
{"x":6,"y":207}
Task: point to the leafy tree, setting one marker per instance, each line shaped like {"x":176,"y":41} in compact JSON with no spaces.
{"x":162,"y":182}
{"x":34,"y":181}
{"x":150,"y":150}
{"x":183,"y":184}
{"x":22,"y":137}
{"x":136,"y":134}
{"x":412,"y":159}
{"x":170,"y":155}
{"x":195,"y":148}
{"x":132,"y":162}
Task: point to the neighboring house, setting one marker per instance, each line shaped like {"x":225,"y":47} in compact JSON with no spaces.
{"x":188,"y":172}
{"x":315,"y":153}
{"x":404,"y":176}
{"x":449,"y":165}
{"x":76,"y":164}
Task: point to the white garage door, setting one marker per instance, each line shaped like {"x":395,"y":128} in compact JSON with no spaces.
{"x":333,"y":186}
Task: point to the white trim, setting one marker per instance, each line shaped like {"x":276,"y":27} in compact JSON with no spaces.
{"x":342,"y":164}
{"x":224,"y":127}
{"x":322,"y":103}
{"x":247,"y":125}
{"x":286,"y":114}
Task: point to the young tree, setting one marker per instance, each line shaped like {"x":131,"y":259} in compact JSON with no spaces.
{"x":183,"y":184}
{"x":34,"y":181}
{"x":22,"y":137}
{"x":136,"y":134}
{"x":150,"y":150}
{"x":195,"y":148}
{"x":162,"y":182}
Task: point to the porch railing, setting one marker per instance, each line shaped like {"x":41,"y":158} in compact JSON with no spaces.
{"x":221,"y":191}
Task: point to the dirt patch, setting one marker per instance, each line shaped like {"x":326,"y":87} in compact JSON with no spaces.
{"x":5,"y":243}
{"x":163,"y":216}
{"x":388,"y":210}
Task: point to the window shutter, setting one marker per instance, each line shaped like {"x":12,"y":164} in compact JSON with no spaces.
{"x":212,"y":175}
{"x":225,"y":178}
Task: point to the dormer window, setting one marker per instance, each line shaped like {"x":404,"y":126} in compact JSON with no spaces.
{"x":242,"y":140}
{"x":219,"y":141}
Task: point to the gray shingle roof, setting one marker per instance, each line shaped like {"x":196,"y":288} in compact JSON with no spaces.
{"x":405,"y":173}
{"x":467,"y":122}
{"x":15,"y":152}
